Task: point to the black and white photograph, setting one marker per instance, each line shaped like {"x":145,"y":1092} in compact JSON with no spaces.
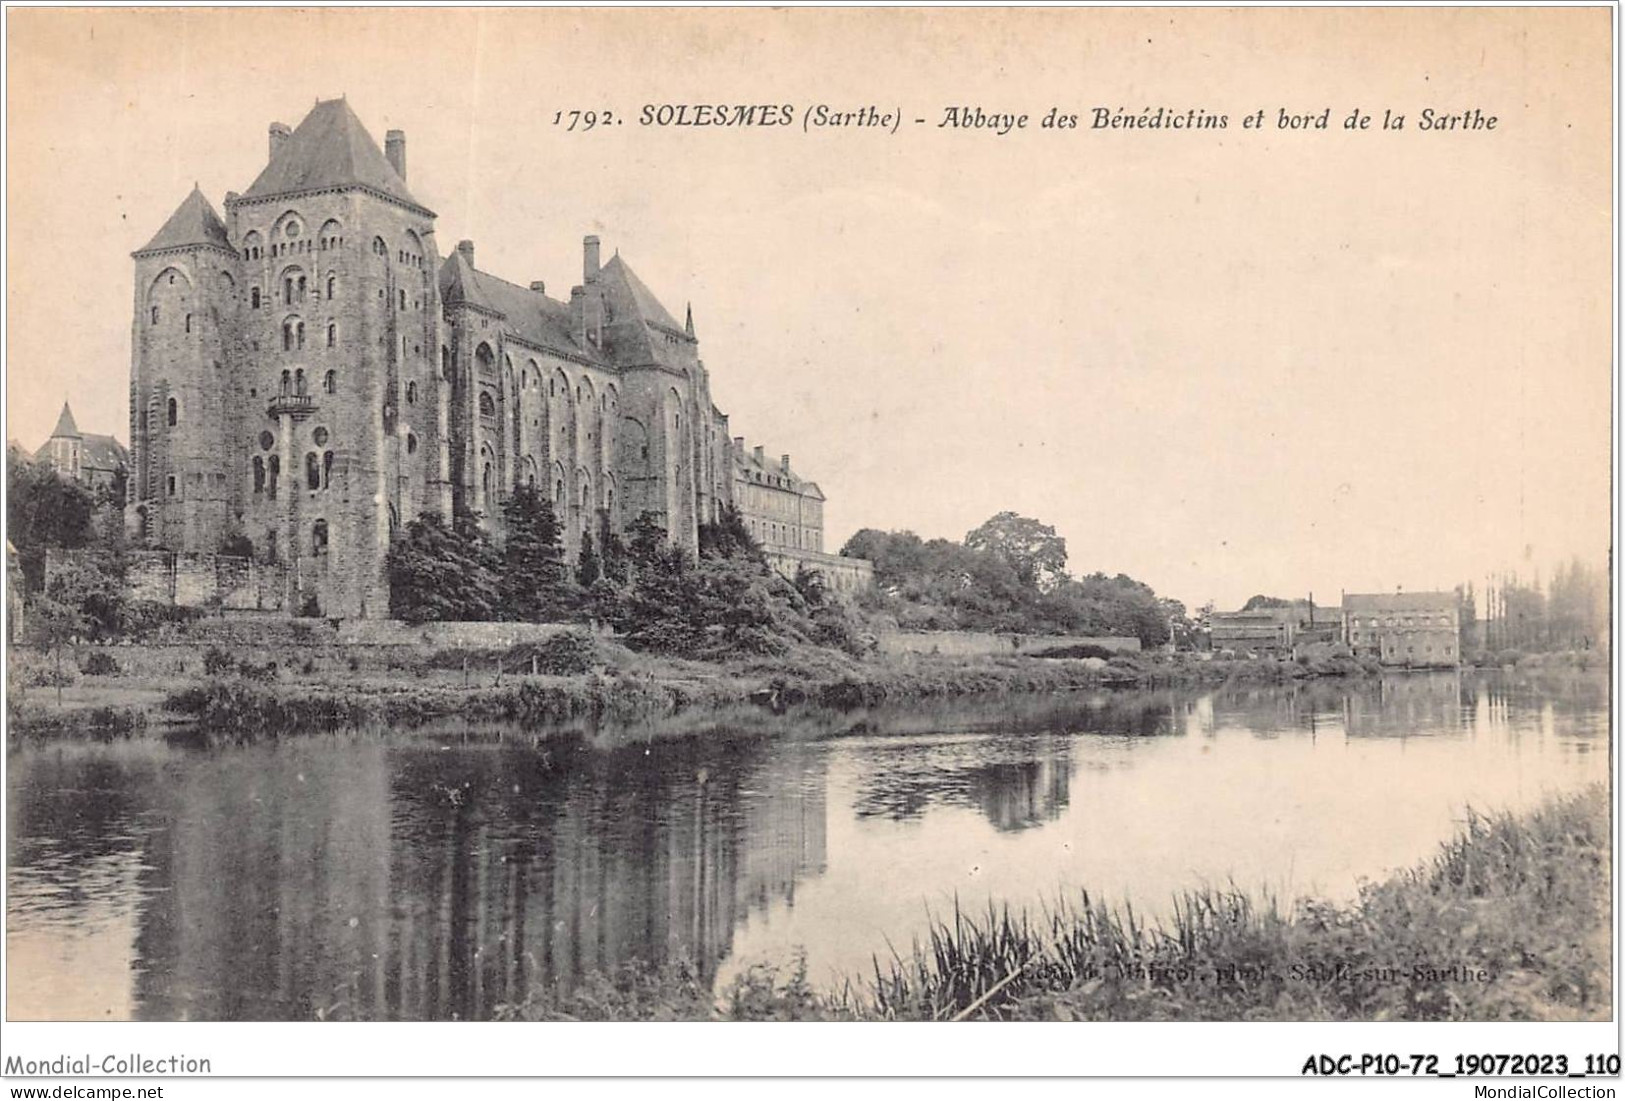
{"x":557,"y":516}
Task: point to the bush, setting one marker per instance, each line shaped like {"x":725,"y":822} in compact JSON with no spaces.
{"x":216,"y":661}
{"x":49,"y":678}
{"x":249,"y":671}
{"x":99,"y":664}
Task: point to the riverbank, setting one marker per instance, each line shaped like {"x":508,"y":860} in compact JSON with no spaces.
{"x":1508,"y":921}
{"x":248,"y":692}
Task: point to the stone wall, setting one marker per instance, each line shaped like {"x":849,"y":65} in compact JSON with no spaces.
{"x":465,"y":636}
{"x":195,"y":580}
{"x":970,"y":643}
{"x":843,"y":575}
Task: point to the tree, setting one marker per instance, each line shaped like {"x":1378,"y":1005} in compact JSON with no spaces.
{"x":440,"y":573}
{"x":1260,"y":602}
{"x":1031,"y":548}
{"x":534,"y":583}
{"x":728,"y":537}
{"x":645,"y":540}
{"x":44,"y":510}
{"x":587,"y":570}
{"x":810,"y":584}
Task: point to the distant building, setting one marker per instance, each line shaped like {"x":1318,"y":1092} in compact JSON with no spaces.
{"x":785,"y":515}
{"x":781,"y":510}
{"x":1260,"y":631}
{"x":86,"y":457}
{"x":1404,"y":629}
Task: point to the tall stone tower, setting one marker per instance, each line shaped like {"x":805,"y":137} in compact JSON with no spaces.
{"x":186,"y":316}
{"x":284,"y":385}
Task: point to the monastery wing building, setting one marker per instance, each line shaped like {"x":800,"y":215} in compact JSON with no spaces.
{"x":309,"y":374}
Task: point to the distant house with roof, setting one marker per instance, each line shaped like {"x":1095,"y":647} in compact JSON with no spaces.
{"x":785,"y":514}
{"x":86,"y":457}
{"x":1259,"y":631}
{"x":1418,"y":630}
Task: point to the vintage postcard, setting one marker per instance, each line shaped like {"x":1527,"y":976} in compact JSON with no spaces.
{"x":1088,"y":516}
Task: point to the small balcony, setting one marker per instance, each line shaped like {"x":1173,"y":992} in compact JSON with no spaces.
{"x":295,"y":405}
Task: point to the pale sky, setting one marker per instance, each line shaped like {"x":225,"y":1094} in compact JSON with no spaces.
{"x":1223,"y":362}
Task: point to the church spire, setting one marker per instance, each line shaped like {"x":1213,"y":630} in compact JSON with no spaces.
{"x":688,"y":325}
{"x":65,"y":427}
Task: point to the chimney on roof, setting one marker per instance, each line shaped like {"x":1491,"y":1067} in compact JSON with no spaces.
{"x":279,"y":134}
{"x":589,"y":259}
{"x":465,"y":249}
{"x":739,"y":445}
{"x":538,"y":286}
{"x":578,"y":313}
{"x":761,"y":458}
{"x":395,"y":151}
{"x":784,"y":463}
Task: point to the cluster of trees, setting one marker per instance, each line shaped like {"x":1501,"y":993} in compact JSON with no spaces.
{"x":1009,"y":574}
{"x":726,"y":600}
{"x":1570,"y":612}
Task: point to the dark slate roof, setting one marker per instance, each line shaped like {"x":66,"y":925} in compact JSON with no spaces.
{"x":65,"y":427}
{"x":769,"y":468}
{"x":193,"y":223}
{"x":1398,"y":602}
{"x":529,"y":315}
{"x":648,"y":306}
{"x":329,"y":149}
{"x":102,"y":453}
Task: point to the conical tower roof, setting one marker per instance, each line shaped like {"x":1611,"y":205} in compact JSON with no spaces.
{"x":331,"y":148}
{"x":65,"y":428}
{"x":193,"y":223}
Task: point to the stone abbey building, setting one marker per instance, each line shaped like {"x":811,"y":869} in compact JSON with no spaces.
{"x":309,"y":373}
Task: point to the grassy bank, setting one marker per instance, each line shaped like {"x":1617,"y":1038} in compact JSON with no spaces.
{"x":250,"y":692}
{"x":1508,"y":921}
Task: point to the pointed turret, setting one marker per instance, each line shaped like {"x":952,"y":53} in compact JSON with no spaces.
{"x":194,"y":223}
{"x":688,"y":322}
{"x":65,"y":428}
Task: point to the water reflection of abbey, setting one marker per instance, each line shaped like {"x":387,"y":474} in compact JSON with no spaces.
{"x":416,"y":884}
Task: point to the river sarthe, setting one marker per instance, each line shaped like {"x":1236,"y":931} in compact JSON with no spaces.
{"x":440,"y":874}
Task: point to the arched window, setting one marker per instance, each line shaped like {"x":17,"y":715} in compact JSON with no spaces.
{"x":259,"y":474}
{"x":330,"y":382}
{"x":169,"y":485}
{"x":488,"y":408}
{"x":332,"y":285}
{"x":379,"y":248}
{"x":332,"y":333}
{"x":299,"y":382}
{"x":253,"y":298}
{"x":286,"y":384}
{"x":485,"y":481}
{"x":403,"y":299}
{"x":174,"y":412}
{"x":155,"y":315}
{"x":299,"y":334}
{"x":327,"y":469}
{"x":188,"y":322}
{"x":411,"y":393}
{"x":313,"y":471}
{"x":411,"y":444}
{"x":318,"y":538}
{"x":273,"y":468}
